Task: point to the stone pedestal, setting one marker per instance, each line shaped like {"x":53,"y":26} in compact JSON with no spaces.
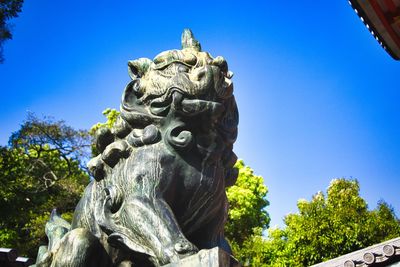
{"x":214,"y":257}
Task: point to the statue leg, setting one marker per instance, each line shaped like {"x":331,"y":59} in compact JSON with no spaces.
{"x":211,"y":232}
{"x":80,"y":248}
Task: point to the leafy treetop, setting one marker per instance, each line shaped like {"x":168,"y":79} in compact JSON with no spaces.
{"x":326,"y":227}
{"x":8,"y":9}
{"x":40,"y":170}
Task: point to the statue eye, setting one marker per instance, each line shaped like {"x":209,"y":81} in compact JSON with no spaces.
{"x":183,"y":68}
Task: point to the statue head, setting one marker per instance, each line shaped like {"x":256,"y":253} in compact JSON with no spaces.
{"x":190,"y":71}
{"x":184,"y":86}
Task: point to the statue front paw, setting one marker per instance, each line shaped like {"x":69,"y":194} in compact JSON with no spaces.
{"x":184,"y":248}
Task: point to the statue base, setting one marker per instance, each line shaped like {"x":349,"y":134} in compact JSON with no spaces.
{"x":214,"y":257}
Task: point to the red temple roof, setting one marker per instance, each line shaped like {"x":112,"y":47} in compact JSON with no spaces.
{"x":382,"y":18}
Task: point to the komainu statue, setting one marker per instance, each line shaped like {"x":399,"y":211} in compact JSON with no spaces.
{"x":158,"y":193}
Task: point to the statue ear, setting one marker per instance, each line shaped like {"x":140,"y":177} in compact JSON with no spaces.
{"x":137,"y":68}
{"x":222,"y":64}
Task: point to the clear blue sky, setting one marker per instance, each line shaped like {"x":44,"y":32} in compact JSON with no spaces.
{"x":318,"y":97}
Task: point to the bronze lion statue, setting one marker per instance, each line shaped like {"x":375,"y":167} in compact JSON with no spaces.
{"x":158,"y":193}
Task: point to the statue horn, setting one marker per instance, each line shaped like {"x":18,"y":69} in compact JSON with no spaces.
{"x":188,"y":40}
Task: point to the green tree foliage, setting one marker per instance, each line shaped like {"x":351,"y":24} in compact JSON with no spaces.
{"x":8,"y":9}
{"x":111,"y":116}
{"x":40,"y":170}
{"x":329,"y":226}
{"x":247,"y":217}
